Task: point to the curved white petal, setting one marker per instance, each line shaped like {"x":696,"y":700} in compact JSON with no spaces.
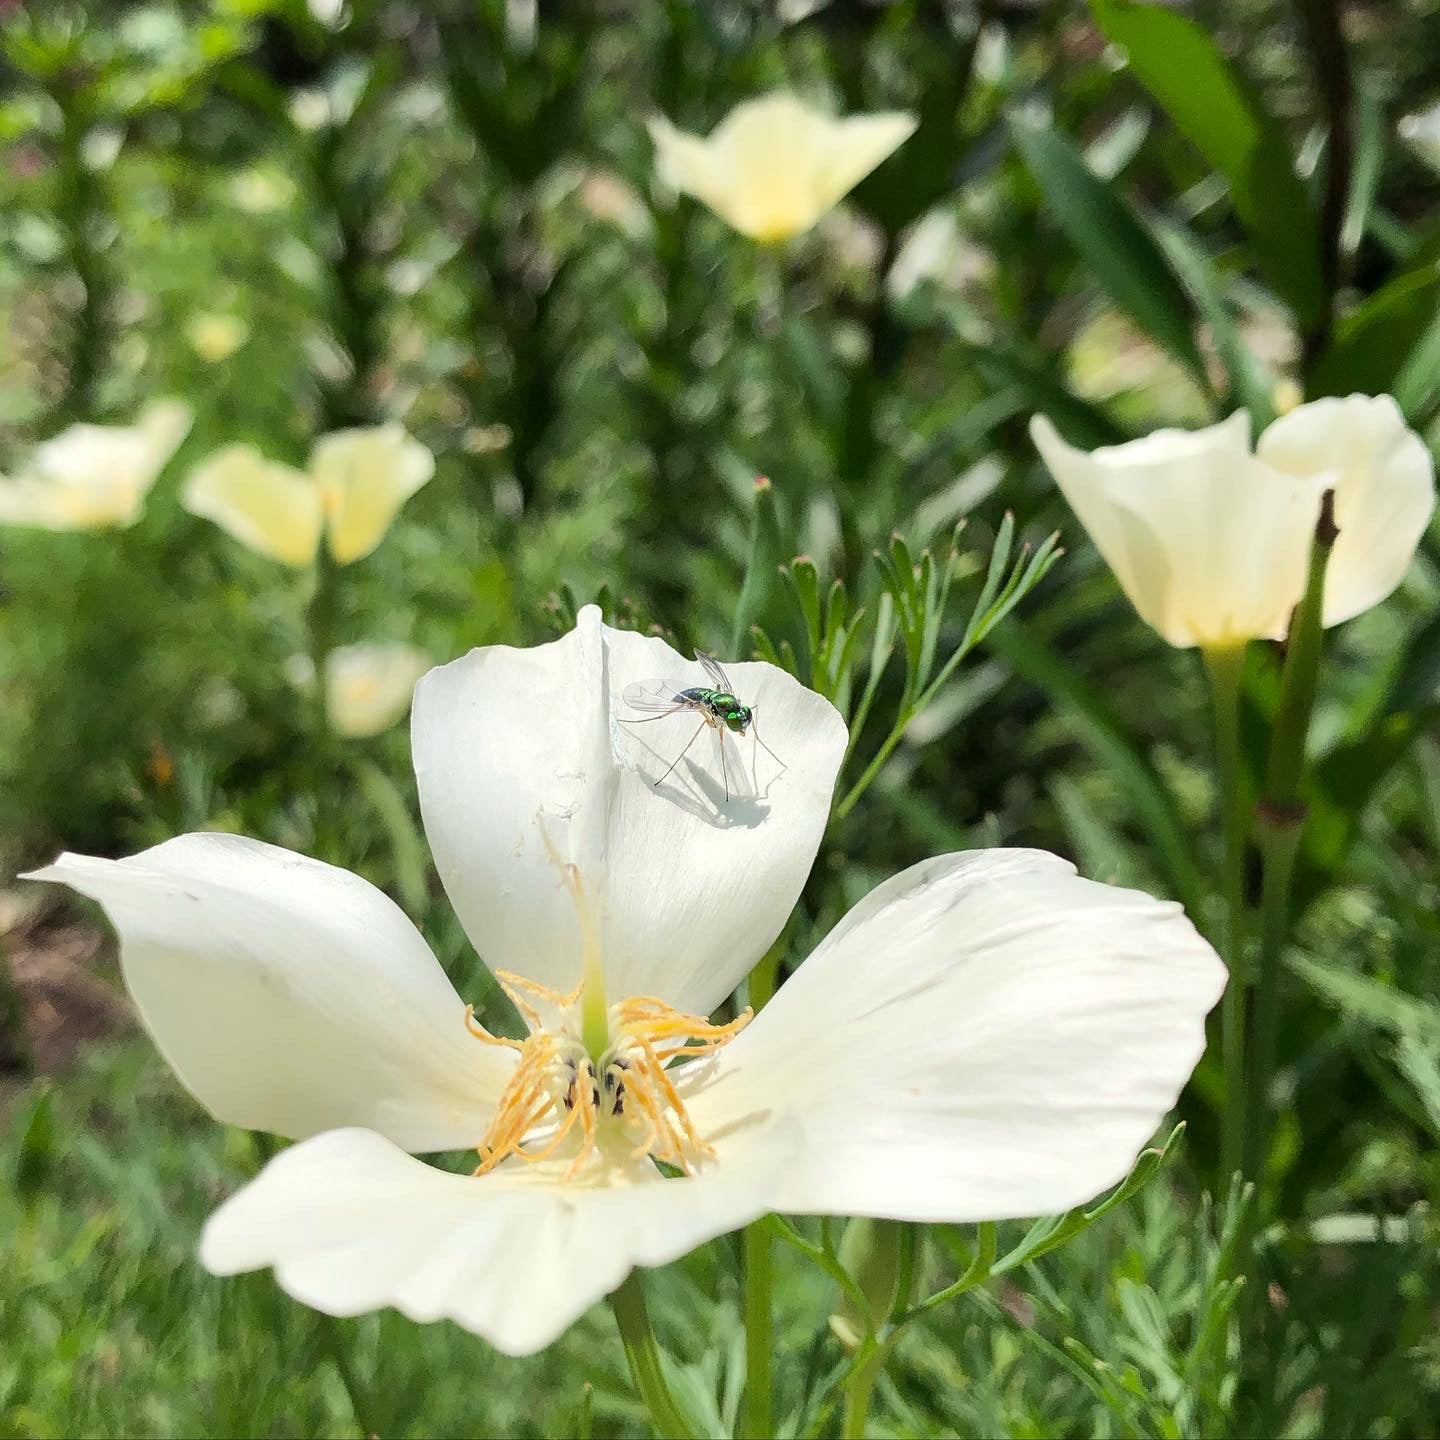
{"x":366,"y":475}
{"x":688,"y":890}
{"x":289,"y":995}
{"x":1209,"y":544}
{"x":984,"y":1036}
{"x":856,"y":145}
{"x":349,"y":1224}
{"x":1384,"y":481}
{"x":368,"y":686}
{"x":267,"y":506}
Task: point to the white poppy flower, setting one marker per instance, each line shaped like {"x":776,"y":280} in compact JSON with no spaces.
{"x":1211,"y":542}
{"x":367,"y":686}
{"x":774,"y":166}
{"x":355,"y":485}
{"x":95,"y":477}
{"x":985,"y":1035}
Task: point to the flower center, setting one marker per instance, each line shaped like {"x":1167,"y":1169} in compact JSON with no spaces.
{"x":561,"y":1092}
{"x":590,"y":1073}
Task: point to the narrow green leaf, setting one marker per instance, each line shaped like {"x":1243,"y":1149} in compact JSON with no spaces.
{"x":1373,"y":342}
{"x":763,"y":565}
{"x":408,"y":852}
{"x":1113,"y":239}
{"x":1217,"y":110}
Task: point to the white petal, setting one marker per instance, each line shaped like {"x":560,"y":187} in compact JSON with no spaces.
{"x":689,"y":890}
{"x":366,"y":475}
{"x":271,"y":508}
{"x":92,"y":477}
{"x":289,"y":995}
{"x":350,"y":1224}
{"x":368,"y":686}
{"x":1384,"y":483}
{"x":856,"y":145}
{"x":984,"y":1036}
{"x":1209,"y":544}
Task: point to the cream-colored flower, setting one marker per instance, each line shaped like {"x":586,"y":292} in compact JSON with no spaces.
{"x":1211,"y":542}
{"x":983,"y":1036}
{"x":774,"y":166}
{"x":355,"y":485}
{"x":95,"y":477}
{"x":367,"y":686}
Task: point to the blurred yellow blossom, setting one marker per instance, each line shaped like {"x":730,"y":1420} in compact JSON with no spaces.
{"x":215,"y":335}
{"x":356,"y":483}
{"x":95,"y":477}
{"x":774,"y":166}
{"x":367,"y":685}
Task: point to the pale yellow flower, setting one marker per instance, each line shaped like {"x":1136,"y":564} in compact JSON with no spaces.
{"x":1210,"y":540}
{"x":354,"y":487}
{"x":95,"y":477}
{"x":773,"y":166}
{"x":367,"y":686}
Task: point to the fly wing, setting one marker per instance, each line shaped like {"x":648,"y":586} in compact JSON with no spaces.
{"x":654,"y":697}
{"x":718,"y":677}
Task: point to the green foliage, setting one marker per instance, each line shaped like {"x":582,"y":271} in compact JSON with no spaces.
{"x":447,"y":215}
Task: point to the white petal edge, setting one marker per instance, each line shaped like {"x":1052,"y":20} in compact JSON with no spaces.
{"x":289,"y":995}
{"x":689,"y":890}
{"x":985,"y":1036}
{"x":350,"y":1224}
{"x":1384,"y":490}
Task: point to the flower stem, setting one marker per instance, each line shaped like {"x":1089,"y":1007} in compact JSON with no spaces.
{"x":633,"y":1321}
{"x":759,"y":1334}
{"x":860,"y":1389}
{"x":319,"y":625}
{"x":1281,"y":823}
{"x":1225,"y":666}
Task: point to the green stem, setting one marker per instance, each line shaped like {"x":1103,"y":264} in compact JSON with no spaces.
{"x":1225,"y":666}
{"x":860,"y":1389}
{"x":320,"y":626}
{"x":757,"y":1422}
{"x":633,"y":1321}
{"x":1281,"y":817}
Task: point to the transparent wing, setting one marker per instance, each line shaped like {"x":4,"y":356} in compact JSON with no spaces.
{"x":713,"y":669}
{"x":655,"y":697}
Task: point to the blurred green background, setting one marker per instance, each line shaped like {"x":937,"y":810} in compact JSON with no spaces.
{"x":299,"y":217}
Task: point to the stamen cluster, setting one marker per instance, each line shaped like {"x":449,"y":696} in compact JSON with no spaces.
{"x":574,"y":1097}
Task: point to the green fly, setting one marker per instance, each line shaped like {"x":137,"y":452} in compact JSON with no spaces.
{"x":718,"y":707}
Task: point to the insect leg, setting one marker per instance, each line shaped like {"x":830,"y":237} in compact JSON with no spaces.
{"x":759,"y":741}
{"x":681,"y":755}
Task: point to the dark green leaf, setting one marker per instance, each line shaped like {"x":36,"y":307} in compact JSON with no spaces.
{"x":1113,"y":239}
{"x":1217,"y":110}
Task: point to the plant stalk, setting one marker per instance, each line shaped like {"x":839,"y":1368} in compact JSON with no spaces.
{"x":1225,"y":667}
{"x":633,"y":1320}
{"x":758,"y":1418}
{"x":1280,"y":826}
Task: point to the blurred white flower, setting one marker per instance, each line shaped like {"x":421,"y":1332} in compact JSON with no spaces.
{"x":1421,"y":132}
{"x":330,"y":13}
{"x":773,"y":166}
{"x":1211,"y":542}
{"x":367,"y":686}
{"x":354,"y":487}
{"x":216,"y":335}
{"x":95,"y":477}
{"x":983,"y":1036}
